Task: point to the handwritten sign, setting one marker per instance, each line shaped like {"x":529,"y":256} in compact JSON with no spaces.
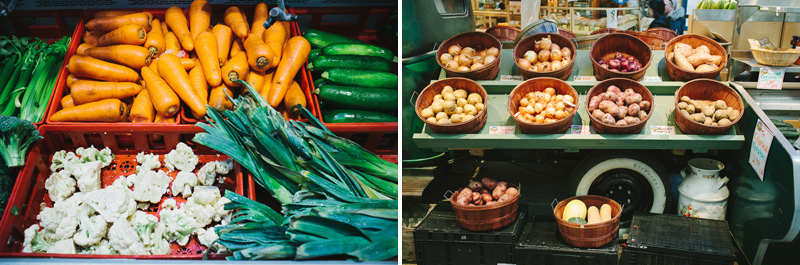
{"x":662,"y":130}
{"x":585,"y":78}
{"x":651,"y":79}
{"x":611,"y":22}
{"x":759,"y":149}
{"x":770,"y":78}
{"x":501,"y":130}
{"x":511,"y":78}
{"x":580,"y":129}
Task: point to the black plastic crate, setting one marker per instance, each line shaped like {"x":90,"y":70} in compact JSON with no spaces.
{"x":541,"y":243}
{"x":672,"y":239}
{"x":440,"y":240}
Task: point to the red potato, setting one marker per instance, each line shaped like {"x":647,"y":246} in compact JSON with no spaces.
{"x":489,"y":183}
{"x":485,"y":191}
{"x":504,"y":198}
{"x":502,"y":184}
{"x":498,"y":191}
{"x":487,"y":197}
{"x":463,"y":201}
{"x":475,"y":186}
{"x":465,"y":192}
{"x":644,"y":105}
{"x":621,"y":99}
{"x":613,"y":88}
{"x":490,"y":202}
{"x":512,"y":192}
{"x":623,"y":111}
{"x":594,"y":103}
{"x":476,"y":198}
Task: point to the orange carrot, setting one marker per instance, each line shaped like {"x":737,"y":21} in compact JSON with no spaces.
{"x":199,"y":82}
{"x":83,"y":47}
{"x":142,"y":108}
{"x":224,"y":37}
{"x":154,"y":66}
{"x":72,"y":78}
{"x":294,"y":98}
{"x":129,"y":34}
{"x":259,"y":54}
{"x":165,"y":101}
{"x":178,"y":80}
{"x":287,"y":26}
{"x":217,"y":99}
{"x":235,"y":18}
{"x":207,"y":54}
{"x":107,"y":110}
{"x":91,"y":37}
{"x":171,"y":43}
{"x":255,"y":79}
{"x":199,"y":17}
{"x":132,"y":56}
{"x":259,"y":17}
{"x":113,"y":13}
{"x":161,"y":119}
{"x":294,"y":56}
{"x":176,"y":21}
{"x":187,"y":64}
{"x":164,"y":28}
{"x":90,"y":91}
{"x":235,"y":69}
{"x":275,"y":38}
{"x":267,"y":85}
{"x":112,"y":23}
{"x":86,"y":66}
{"x":155,"y":42}
{"x":236,"y":47}
{"x":66,"y":102}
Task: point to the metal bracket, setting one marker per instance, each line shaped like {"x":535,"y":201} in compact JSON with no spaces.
{"x":279,"y":14}
{"x":6,"y":10}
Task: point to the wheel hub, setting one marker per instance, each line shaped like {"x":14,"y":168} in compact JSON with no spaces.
{"x":626,"y":187}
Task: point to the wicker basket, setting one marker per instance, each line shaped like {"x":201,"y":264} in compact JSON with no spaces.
{"x":478,"y":41}
{"x":678,"y":74}
{"x":527,"y":44}
{"x":589,"y":235}
{"x":486,"y":217}
{"x":539,"y":84}
{"x":778,"y":57}
{"x":566,"y":33}
{"x":504,"y":33}
{"x":425,"y":99}
{"x":622,"y":83}
{"x":654,"y":41}
{"x":706,"y":89}
{"x":607,"y":30}
{"x":665,"y":33}
{"x":586,"y":42}
{"x":605,"y":48}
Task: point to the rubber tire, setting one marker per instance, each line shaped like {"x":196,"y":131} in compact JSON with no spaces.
{"x":599,"y":162}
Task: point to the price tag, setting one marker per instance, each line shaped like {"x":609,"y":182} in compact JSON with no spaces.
{"x":759,"y":149}
{"x":662,"y":130}
{"x":511,"y":78}
{"x":611,"y":22}
{"x":580,"y":129}
{"x":585,"y":78}
{"x":501,"y":130}
{"x":651,"y":79}
{"x":770,"y":78}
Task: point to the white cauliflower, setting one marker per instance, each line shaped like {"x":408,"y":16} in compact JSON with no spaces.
{"x":34,"y":241}
{"x":65,"y":246}
{"x":169,"y":204}
{"x":202,"y":214}
{"x":147,"y":162}
{"x":114,"y":203}
{"x":183,"y":183}
{"x":181,"y":158}
{"x":149,"y":186}
{"x":88,"y":175}
{"x":222,"y":215}
{"x":92,"y":154}
{"x":102,"y":248}
{"x":145,"y":225}
{"x":205,"y":195}
{"x":123,"y":239}
{"x":179,"y":226}
{"x":207,"y":237}
{"x":225,"y":167}
{"x":57,"y":223}
{"x":160,"y":245}
{"x":209,"y":172}
{"x":63,"y":160}
{"x":92,"y":230}
{"x":59,"y":185}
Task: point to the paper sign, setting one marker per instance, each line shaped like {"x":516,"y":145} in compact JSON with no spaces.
{"x":770,"y":78}
{"x":585,"y":78}
{"x":759,"y":149}
{"x":501,"y":130}
{"x":651,"y":79}
{"x":611,"y":22}
{"x":511,"y":78}
{"x":662,"y":130}
{"x":580,"y":129}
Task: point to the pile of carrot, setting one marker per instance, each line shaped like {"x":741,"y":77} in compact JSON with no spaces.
{"x":132,"y":67}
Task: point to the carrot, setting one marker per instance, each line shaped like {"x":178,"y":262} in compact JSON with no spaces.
{"x":72,"y":78}
{"x":83,"y":47}
{"x":187,"y":64}
{"x":235,"y":18}
{"x":155,"y":42}
{"x":86,"y":66}
{"x":199,"y":83}
{"x":142,"y":108}
{"x":176,"y":21}
{"x":287,"y":26}
{"x":165,"y":101}
{"x":255,"y":79}
{"x":217,"y":99}
{"x":275,"y":38}
{"x":162,"y":119}
{"x":90,"y":91}
{"x":91,"y":37}
{"x":66,"y":102}
{"x":294,"y":56}
{"x":259,"y":17}
{"x":128,"y":34}
{"x":207,"y":54}
{"x":199,"y":17}
{"x":112,"y":23}
{"x":132,"y":56}
{"x":178,"y":80}
{"x":294,"y":98}
{"x":236,"y":47}
{"x":235,"y":69}
{"x":154,"y":66}
{"x":267,"y":85}
{"x":172,"y":45}
{"x":113,"y":13}
{"x":224,"y":37}
{"x":107,"y":110}
{"x":259,"y":54}
{"x":164,"y":28}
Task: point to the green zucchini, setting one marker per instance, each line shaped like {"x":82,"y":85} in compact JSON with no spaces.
{"x":313,"y":54}
{"x":790,"y":135}
{"x":347,"y":116}
{"x":319,"y":39}
{"x":327,"y":62}
{"x":359,"y":49}
{"x":360,"y":98}
{"x":362,"y":78}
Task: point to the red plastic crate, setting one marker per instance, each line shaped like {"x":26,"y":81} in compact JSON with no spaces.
{"x":125,"y":144}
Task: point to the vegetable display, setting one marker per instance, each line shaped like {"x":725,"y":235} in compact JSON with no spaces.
{"x":576,"y":212}
{"x":453,"y":107}
{"x":621,"y":63}
{"x":707,"y":112}
{"x":619,"y":108}
{"x":545,"y":106}
{"x":486,"y":192}
{"x":546,"y":56}
{"x":694,"y":59}
{"x":16,"y":136}
{"x":721,"y":4}
{"x":467,"y":58}
{"x":787,"y":130}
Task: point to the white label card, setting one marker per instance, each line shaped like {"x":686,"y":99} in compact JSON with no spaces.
{"x":502,"y":129}
{"x":662,"y":130}
{"x":651,"y":79}
{"x":580,"y":129}
{"x":770,"y":78}
{"x":511,"y":78}
{"x":585,"y":78}
{"x":759,"y":149}
{"x":611,"y":22}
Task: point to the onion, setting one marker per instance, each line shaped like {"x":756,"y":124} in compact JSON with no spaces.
{"x":566,"y":52}
{"x":565,"y":60}
{"x":537,"y":46}
{"x":544,"y":67}
{"x":544,"y":55}
{"x":482,"y":53}
{"x":531,"y":56}
{"x":633,"y":67}
{"x":477,"y":59}
{"x":545,"y":43}
{"x":555,"y":65}
{"x":601,"y":61}
{"x":493,"y":51}
{"x":554,"y":47}
{"x":524,"y":64}
{"x":623,"y":64}
{"x":604,"y":66}
{"x":630,"y":58}
{"x":454,"y":50}
{"x":613,"y":64}
{"x":555,"y":55}
{"x":464,"y":60}
{"x":618,"y":56}
{"x":468,"y":51}
{"x":463,"y":68}
{"x":476,"y":66}
{"x":446,"y":57}
{"x":452,"y":65}
{"x":489,"y":59}
{"x":624,"y":70}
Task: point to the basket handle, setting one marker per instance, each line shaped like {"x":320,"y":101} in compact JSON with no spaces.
{"x":446,"y":196}
{"x":554,"y":203}
{"x":413,"y":100}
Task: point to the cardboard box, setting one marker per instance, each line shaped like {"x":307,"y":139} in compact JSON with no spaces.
{"x":718,"y":21}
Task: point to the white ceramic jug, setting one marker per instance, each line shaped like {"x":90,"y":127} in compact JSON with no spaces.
{"x":703,"y":193}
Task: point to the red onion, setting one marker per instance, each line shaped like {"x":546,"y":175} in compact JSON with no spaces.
{"x":604,"y":66}
{"x":633,"y":67}
{"x":623,"y":64}
{"x":614,"y":64}
{"x":601,"y":61}
{"x":624,"y":70}
{"x":630,"y":58}
{"x":618,"y":56}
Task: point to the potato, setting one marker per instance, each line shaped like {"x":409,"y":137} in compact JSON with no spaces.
{"x":608,"y":118}
{"x":686,"y":99}
{"x":474,"y":98}
{"x":511,"y":192}
{"x":733,"y":115}
{"x":598,"y":114}
{"x":502,"y":184}
{"x":632,"y":120}
{"x":644,"y":105}
{"x":437,"y":97}
{"x":441,"y":115}
{"x":538,"y":107}
{"x":459,"y":110}
{"x":708,"y":121}
{"x":594,"y":103}
{"x":716,"y":60}
{"x":487,"y":198}
{"x":683,"y":63}
{"x":623,"y":111}
{"x":621,"y":99}
{"x":721,"y":114}
{"x":614,"y":89}
{"x":489,"y":183}
{"x":698,"y":58}
{"x":449,"y":107}
{"x":550,"y":112}
{"x":634,"y":98}
{"x":468,"y":117}
{"x":634,"y":109}
{"x":642,"y":115}
{"x":702,"y":49}
{"x":690,"y":109}
{"x":610,"y":108}
{"x":720,"y":104}
{"x":504,"y":198}
{"x":570,"y":99}
{"x":630,"y":91}
{"x":431,"y":120}
{"x":724,"y":122}
{"x":447,"y":89}
{"x":670,"y":56}
{"x":456,"y":118}
{"x":461,"y":93}
{"x":436,"y":107}
{"x":550,"y":91}
{"x":714,"y":124}
{"x":444,"y":121}
{"x":560,"y":105}
{"x":427,"y":112}
{"x":522,"y":102}
{"x":461,"y":102}
{"x":498,"y":191}
{"x":698,"y":106}
{"x":682,"y":105}
{"x":464,"y":192}
{"x":709,"y":111}
{"x":479,"y":107}
{"x":449,"y":96}
{"x":560,"y":114}
{"x":622,"y":123}
{"x":706,"y":68}
{"x":470,"y":110}
{"x":476,"y":197}
{"x":686,"y":113}
{"x":686,"y":49}
{"x":463,"y":201}
{"x":699,"y":117}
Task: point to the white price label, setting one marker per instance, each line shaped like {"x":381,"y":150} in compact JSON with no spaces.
{"x":759,"y":149}
{"x":611,"y":22}
{"x":651,"y":79}
{"x":770,"y":78}
{"x":501,"y":129}
{"x":662,"y":130}
{"x":585,"y":78}
{"x":511,"y":78}
{"x":580,"y":129}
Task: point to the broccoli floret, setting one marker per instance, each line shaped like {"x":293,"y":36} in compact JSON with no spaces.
{"x":16,"y":136}
{"x":7,"y":178}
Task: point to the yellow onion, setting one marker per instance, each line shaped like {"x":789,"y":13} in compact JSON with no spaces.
{"x":463,"y":68}
{"x":489,"y":59}
{"x":476,"y":66}
{"x":452,"y":65}
{"x":544,"y":67}
{"x":454,"y":50}
{"x":555,"y":55}
{"x":468,"y":51}
{"x":544,"y":55}
{"x":545,"y":43}
{"x":524,"y":64}
{"x":554,"y":47}
{"x":555,"y":65}
{"x":493,"y":51}
{"x":566,"y":52}
{"x":446,"y":57}
{"x":464,"y":60}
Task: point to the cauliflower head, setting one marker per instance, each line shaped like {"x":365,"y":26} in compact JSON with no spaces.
{"x":88,"y":175}
{"x":205,"y":195}
{"x":147,"y":162}
{"x":102,"y":248}
{"x":63,"y":160}
{"x":34,"y":241}
{"x":92,"y":230}
{"x":145,"y":225}
{"x":179,"y":226}
{"x":92,"y":154}
{"x":222,"y":215}
{"x":123,"y":238}
{"x":181,"y":158}
{"x":202,"y":214}
{"x":57,"y":223}
{"x":183,"y":183}
{"x":114,"y":203}
{"x":60,"y":185}
{"x":160,"y":245}
{"x":66,"y":246}
{"x":149,"y":186}
{"x":211,"y":170}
